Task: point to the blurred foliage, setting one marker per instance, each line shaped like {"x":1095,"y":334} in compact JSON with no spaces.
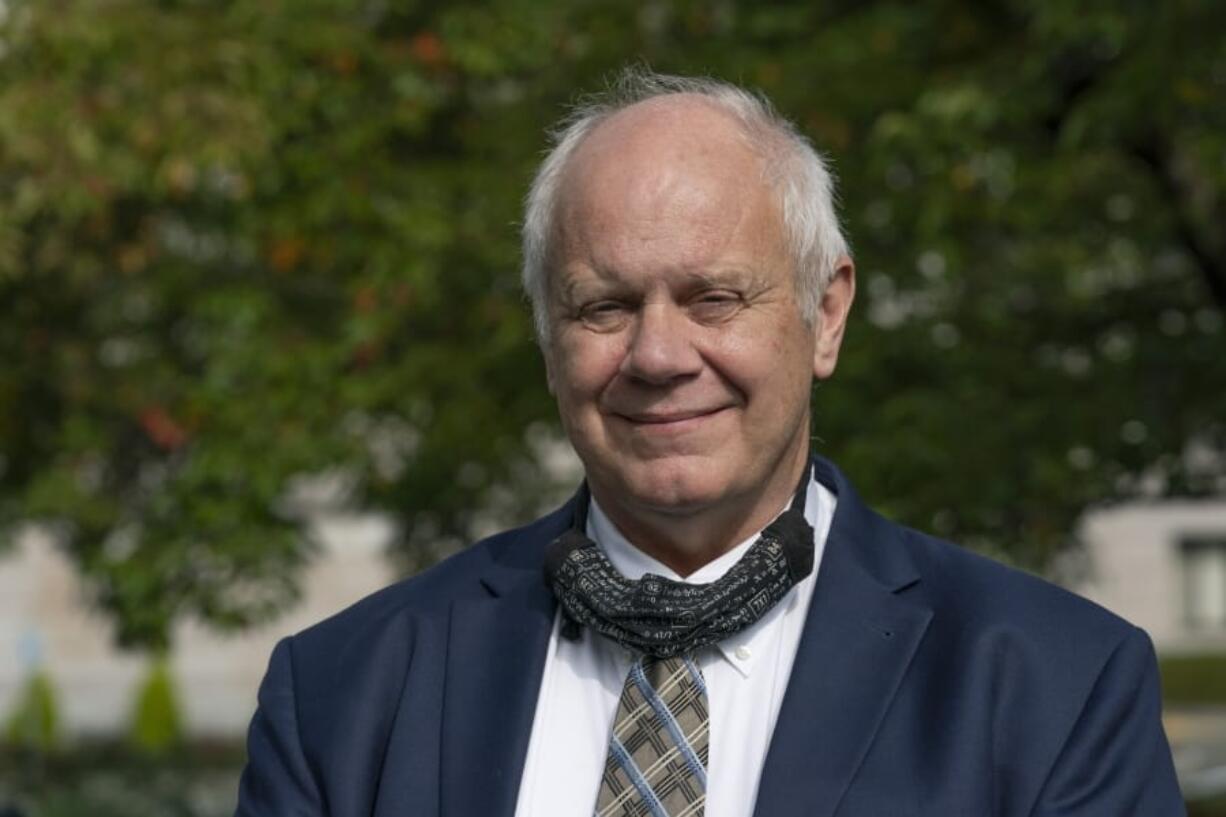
{"x":157,"y":724}
{"x":246,"y":241}
{"x":1194,"y":679}
{"x":110,"y":780}
{"x":34,"y":723}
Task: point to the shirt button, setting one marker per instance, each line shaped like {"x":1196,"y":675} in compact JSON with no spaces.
{"x":743,"y":653}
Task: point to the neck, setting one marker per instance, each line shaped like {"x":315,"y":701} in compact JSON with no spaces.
{"x":687,"y":539}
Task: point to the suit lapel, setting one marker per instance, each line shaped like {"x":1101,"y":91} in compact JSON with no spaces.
{"x":857,"y":643}
{"x":495,"y":655}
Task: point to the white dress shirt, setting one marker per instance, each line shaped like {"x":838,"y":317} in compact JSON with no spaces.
{"x":746,"y":675}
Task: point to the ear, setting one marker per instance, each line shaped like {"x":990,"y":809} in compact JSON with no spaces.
{"x":832,"y":317}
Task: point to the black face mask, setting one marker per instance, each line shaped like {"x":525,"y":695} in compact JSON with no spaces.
{"x":662,"y":617}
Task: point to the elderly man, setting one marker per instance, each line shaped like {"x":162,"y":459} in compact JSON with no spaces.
{"x":715,"y":625}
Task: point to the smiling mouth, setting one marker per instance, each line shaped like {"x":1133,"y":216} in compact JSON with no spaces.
{"x":670,"y":420}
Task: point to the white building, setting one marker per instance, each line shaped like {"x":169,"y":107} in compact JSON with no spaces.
{"x":1162,"y":566}
{"x":45,"y":622}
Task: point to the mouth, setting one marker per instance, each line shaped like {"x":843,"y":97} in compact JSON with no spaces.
{"x":661,"y":421}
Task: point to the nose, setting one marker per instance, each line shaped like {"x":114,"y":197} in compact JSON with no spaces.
{"x":661,"y":346}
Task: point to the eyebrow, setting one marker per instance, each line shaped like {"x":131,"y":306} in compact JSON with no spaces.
{"x":594,"y":277}
{"x":572,"y":289}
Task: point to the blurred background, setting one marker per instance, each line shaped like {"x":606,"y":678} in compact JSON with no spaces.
{"x":263,"y":348}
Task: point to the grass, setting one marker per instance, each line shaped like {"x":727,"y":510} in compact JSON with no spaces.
{"x":114,"y":780}
{"x":1194,"y":679}
{"x":1208,"y":808}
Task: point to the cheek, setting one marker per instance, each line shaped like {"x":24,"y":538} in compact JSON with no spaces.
{"x":755,"y":357}
{"x":772,"y":366}
{"x":580,"y":371}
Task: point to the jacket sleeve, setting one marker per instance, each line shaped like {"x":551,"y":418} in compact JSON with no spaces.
{"x":1116,"y":761}
{"x":277,"y":781}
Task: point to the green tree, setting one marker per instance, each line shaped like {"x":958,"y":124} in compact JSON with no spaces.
{"x":244,"y":242}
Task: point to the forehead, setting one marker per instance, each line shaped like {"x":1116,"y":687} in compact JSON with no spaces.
{"x":672,"y":178}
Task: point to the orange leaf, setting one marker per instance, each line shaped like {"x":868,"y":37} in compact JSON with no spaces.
{"x":286,"y":253}
{"x":162,"y":429}
{"x":428,"y":49}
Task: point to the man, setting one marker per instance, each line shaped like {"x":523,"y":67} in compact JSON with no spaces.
{"x":715,"y":625}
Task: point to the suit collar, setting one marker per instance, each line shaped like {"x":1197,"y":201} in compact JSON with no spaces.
{"x":517,"y":559}
{"x":868,"y":541}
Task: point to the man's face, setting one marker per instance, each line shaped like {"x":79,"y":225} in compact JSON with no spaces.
{"x":679,"y":358}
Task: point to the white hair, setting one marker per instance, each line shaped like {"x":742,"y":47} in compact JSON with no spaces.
{"x":798,"y":175}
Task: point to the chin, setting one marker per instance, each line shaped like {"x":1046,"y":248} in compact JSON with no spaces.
{"x":677,"y":488}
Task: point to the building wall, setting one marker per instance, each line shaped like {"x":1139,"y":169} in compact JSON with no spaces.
{"x":1136,"y":568}
{"x":1132,"y":559}
{"x":45,"y":621}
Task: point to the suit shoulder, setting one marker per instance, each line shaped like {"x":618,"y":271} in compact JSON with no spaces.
{"x":999,"y":597}
{"x":432,"y":591}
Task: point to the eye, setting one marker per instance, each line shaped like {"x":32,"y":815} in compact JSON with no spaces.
{"x":604,"y":315}
{"x":715,"y":305}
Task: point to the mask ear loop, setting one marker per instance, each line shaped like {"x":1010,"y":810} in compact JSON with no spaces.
{"x":802,"y":490}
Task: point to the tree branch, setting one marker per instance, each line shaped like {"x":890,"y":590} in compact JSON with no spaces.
{"x":1155,"y":154}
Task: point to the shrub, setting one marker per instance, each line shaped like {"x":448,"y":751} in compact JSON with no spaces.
{"x":34,"y":722}
{"x":156,"y":723}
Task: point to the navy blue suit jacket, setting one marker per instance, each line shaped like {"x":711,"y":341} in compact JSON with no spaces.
{"x":929,"y":682}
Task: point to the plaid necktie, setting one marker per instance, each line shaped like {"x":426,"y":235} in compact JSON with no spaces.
{"x":657,"y":763}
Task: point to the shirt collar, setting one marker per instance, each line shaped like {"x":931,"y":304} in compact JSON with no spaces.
{"x":742,"y":649}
